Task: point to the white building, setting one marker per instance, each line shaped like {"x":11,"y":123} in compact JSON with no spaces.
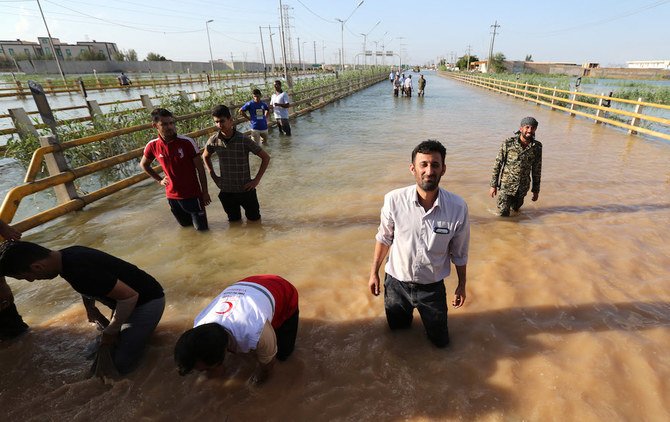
{"x":649,"y":64}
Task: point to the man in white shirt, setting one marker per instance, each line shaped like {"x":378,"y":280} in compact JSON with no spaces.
{"x":408,"y":86}
{"x":280,"y":104}
{"x":425,"y":228}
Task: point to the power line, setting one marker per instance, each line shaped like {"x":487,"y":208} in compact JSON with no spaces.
{"x":315,"y":14}
{"x":121,"y":24}
{"x":601,"y":21}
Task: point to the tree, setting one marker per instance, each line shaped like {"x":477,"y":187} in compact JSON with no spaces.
{"x":529,"y":58}
{"x":497,"y":64}
{"x":131,"y":55}
{"x":118,"y":56}
{"x":91,"y":55}
{"x":155,"y":57}
{"x":464,"y":64}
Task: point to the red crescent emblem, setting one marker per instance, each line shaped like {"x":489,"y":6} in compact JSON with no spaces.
{"x":230,"y":308}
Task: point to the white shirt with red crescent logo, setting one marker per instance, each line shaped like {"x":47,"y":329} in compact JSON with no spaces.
{"x":243,"y":308}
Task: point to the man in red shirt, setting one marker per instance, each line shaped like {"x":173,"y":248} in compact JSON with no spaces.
{"x":185,"y":182}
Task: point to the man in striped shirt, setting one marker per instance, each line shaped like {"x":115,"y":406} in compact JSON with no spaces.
{"x":425,"y":228}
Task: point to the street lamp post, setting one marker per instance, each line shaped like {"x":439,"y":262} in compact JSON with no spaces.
{"x":209,"y":42}
{"x":342,"y":22}
{"x":365,"y":39}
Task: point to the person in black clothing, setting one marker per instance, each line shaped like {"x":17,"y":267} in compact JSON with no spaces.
{"x":11,"y":323}
{"x":136,"y":297}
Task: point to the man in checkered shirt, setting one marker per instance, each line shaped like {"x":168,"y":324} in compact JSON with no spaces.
{"x":232,"y":148}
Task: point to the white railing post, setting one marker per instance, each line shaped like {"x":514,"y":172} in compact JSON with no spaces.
{"x":636,"y":121}
{"x":525,"y":88}
{"x":553,"y":98}
{"x":599,"y":111}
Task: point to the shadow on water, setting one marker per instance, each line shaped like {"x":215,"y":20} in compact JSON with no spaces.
{"x":605,"y":208}
{"x":353,"y":370}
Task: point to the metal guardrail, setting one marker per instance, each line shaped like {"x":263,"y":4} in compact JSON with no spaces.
{"x":301,"y":104}
{"x":51,"y":87}
{"x":14,"y":130}
{"x":558,"y":99}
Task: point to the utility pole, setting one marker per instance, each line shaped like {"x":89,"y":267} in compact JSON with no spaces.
{"x":299,"y":57}
{"x":283,"y":45}
{"x":315,"y":62}
{"x":51,"y":43}
{"x":400,"y":52}
{"x":467,"y":63}
{"x":495,"y":26}
{"x":265,"y":67}
{"x":209,"y":43}
{"x":272,"y":47}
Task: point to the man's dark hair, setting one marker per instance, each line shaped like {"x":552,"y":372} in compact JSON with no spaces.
{"x":221,"y":111}
{"x":256,"y":92}
{"x":428,"y":147}
{"x":205,"y":343}
{"x":160,"y":112}
{"x":17,"y":256}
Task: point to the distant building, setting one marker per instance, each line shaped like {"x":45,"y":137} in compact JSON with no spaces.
{"x":649,"y":64}
{"x":106,"y":48}
{"x":480,"y":66}
{"x":42,"y":48}
{"x":63,"y":50}
{"x":14,"y":48}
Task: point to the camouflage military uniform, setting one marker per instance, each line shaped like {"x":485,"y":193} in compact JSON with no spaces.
{"x":518,"y":165}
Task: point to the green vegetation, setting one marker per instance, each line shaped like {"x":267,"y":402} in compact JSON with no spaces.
{"x":117,"y":118}
{"x":648,"y":93}
{"x":155,"y":57}
{"x":464,"y":61}
{"x":498,"y":63}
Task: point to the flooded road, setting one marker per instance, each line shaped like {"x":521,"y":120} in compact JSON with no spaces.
{"x":568,"y":308}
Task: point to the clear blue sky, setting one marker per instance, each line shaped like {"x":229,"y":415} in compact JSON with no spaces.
{"x":606,"y":31}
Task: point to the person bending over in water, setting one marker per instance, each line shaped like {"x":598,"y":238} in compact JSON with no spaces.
{"x":135,"y":296}
{"x":256,"y":314}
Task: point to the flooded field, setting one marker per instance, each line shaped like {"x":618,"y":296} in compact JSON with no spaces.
{"x":568,"y":308}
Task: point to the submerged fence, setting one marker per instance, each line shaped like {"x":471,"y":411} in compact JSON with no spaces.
{"x":61,"y":177}
{"x":20,"y":89}
{"x":619,"y":112}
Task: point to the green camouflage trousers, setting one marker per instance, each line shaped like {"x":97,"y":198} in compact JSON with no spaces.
{"x":507,"y":202}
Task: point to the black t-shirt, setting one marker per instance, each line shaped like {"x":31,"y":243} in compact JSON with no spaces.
{"x":94,"y":273}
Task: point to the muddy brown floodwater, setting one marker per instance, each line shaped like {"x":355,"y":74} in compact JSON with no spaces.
{"x":568,"y":308}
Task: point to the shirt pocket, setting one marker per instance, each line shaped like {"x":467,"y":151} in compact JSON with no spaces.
{"x":439,"y":237}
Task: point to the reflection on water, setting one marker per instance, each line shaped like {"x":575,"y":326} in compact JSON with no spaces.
{"x":568,"y":307}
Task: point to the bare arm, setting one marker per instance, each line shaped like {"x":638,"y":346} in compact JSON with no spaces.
{"x":93,"y":313}
{"x":145,"y":164}
{"x":265,"y":161}
{"x":126,"y":299}
{"x":459,"y":295}
{"x":381,"y":250}
{"x":8,"y":232}
{"x":207,"y":158}
{"x":244,"y":114}
{"x":197,"y":160}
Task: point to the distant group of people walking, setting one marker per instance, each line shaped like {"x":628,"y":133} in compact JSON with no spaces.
{"x":423,"y":230}
{"x":403,"y":86}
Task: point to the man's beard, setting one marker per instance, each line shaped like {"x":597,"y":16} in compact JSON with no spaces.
{"x":528,"y":138}
{"x":430,"y":185}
